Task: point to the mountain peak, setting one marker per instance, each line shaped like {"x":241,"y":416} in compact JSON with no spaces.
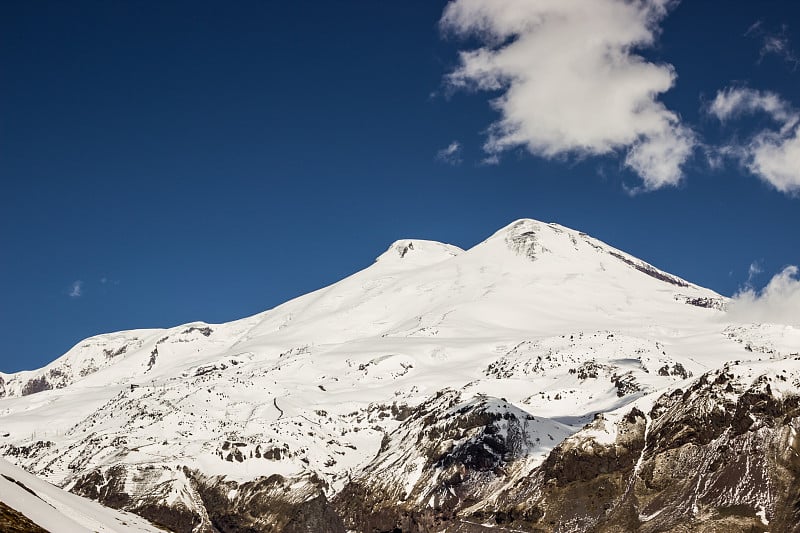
{"x":417,"y":252}
{"x":527,"y":230}
{"x":521,"y":225}
{"x":432,"y":370}
{"x":535,"y":240}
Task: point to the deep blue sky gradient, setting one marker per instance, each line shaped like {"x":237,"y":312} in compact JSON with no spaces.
{"x":211,"y":160}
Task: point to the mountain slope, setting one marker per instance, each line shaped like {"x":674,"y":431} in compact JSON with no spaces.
{"x":28,"y":504}
{"x":720,"y":455}
{"x":436,"y":378}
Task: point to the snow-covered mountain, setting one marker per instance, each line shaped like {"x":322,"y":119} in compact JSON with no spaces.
{"x":436,"y":390}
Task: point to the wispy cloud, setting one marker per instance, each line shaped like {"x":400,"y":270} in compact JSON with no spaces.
{"x":76,"y":289}
{"x":736,"y":101}
{"x":753,"y":271}
{"x":492,"y":159}
{"x":774,"y":43}
{"x":569,"y":82}
{"x":778,"y":302}
{"x":772,"y":154}
{"x":450,"y":154}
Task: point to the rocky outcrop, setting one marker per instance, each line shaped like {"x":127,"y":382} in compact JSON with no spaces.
{"x":191,"y":502}
{"x":706,"y":302}
{"x":521,"y":238}
{"x":272,"y":505}
{"x":449,"y":456}
{"x":722,"y":455}
{"x":169,"y":504}
{"x":707,"y":459}
{"x":650,"y":270}
{"x":36,"y":385}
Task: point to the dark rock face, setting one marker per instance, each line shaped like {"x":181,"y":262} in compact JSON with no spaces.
{"x":267,"y":505}
{"x":651,"y":271}
{"x":709,"y":462}
{"x":26,"y":451}
{"x":205,"y":331}
{"x":109,"y":488}
{"x":707,"y":303}
{"x":36,"y":385}
{"x":177,"y":519}
{"x":110,"y":353}
{"x":445,"y":458}
{"x":714,"y":458}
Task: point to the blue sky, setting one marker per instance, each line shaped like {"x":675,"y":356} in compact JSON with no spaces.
{"x":176,"y":161}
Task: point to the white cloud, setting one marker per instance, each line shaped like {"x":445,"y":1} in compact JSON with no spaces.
{"x":771,"y":154}
{"x":492,"y":159}
{"x":753,"y":271}
{"x":658,"y":159}
{"x":775,"y":157}
{"x":778,"y":302}
{"x":76,"y":289}
{"x":774,"y":43}
{"x":733,"y":102}
{"x":570,"y":82}
{"x":451,"y":154}
{"x":779,"y":45}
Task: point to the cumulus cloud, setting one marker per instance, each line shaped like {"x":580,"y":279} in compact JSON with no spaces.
{"x":570,"y":82}
{"x":775,"y":158}
{"x":778,"y":302}
{"x":76,"y":289}
{"x":451,"y":154}
{"x":771,"y":154}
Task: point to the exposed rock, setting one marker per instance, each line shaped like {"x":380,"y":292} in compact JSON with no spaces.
{"x":447,"y":456}
{"x":213,"y":504}
{"x":707,"y":459}
{"x":117,"y":487}
{"x":403,"y":249}
{"x":272,"y":504}
{"x":676,"y":370}
{"x":205,"y":331}
{"x":111,"y":353}
{"x":703,"y":301}
{"x":650,"y":270}
{"x":521,"y":239}
{"x":153,"y":358}
{"x":36,"y":385}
